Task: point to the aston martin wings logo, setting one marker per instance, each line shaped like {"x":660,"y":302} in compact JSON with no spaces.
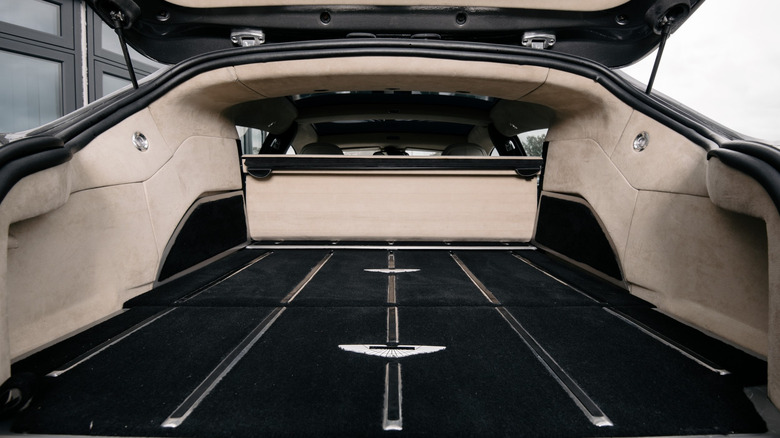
{"x":392,"y":352}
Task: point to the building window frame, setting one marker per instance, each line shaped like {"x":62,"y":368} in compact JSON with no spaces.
{"x":68,"y":30}
{"x":62,"y":49}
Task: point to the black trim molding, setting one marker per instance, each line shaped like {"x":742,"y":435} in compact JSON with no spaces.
{"x":210,"y":227}
{"x":568,"y":226}
{"x":262,"y":167}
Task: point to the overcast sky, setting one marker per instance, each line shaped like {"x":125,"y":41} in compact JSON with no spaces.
{"x":724,"y":62}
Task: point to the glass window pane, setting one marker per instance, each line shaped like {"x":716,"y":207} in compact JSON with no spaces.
{"x":32,"y":14}
{"x":251,"y":139}
{"x":533,"y":142}
{"x":109,"y":41}
{"x":112,"y":83}
{"x":30,"y":91}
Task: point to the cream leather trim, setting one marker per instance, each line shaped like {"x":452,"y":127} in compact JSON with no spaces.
{"x":391,"y":206}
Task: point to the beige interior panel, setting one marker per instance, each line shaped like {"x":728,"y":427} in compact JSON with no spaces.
{"x":670,"y":162}
{"x":199,"y":166}
{"x":195,"y":107}
{"x":32,"y":196}
{"x":286,"y":78}
{"x":735,"y":191}
{"x":559,"y":5}
{"x":71,"y":267}
{"x":37,"y":194}
{"x":580,"y":167}
{"x":391,"y":206}
{"x":583,"y":110}
{"x":702,"y":264}
{"x":103,"y":245}
{"x":112,"y":158}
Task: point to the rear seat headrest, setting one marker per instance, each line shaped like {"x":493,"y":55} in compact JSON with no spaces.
{"x":321,"y":148}
{"x":465,"y":150}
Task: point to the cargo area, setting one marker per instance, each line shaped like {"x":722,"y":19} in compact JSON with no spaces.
{"x":390,"y":338}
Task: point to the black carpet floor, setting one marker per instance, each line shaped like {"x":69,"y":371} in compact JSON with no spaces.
{"x":301,"y":377}
{"x":516,"y":283}
{"x":343,"y":281}
{"x":439,"y":281}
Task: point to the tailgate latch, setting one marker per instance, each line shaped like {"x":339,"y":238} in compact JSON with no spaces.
{"x":538,"y":40}
{"x":247,"y":37}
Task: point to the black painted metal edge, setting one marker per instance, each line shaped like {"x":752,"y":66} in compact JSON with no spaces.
{"x":262,"y":166}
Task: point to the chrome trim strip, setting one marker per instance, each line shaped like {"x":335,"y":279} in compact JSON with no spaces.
{"x":392,"y":417}
{"x":482,"y":288}
{"x":391,"y":295}
{"x":210,"y":382}
{"x":228,"y":362}
{"x":574,"y":288}
{"x":100,"y":348}
{"x":399,"y":248}
{"x":581,"y":399}
{"x":685,"y":351}
{"x":67,"y":335}
{"x":219,"y":280}
{"x":577,"y":394}
{"x":299,"y":287}
{"x":392,"y":326}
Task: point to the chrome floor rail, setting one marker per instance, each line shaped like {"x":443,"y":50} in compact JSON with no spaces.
{"x":299,"y":287}
{"x":685,"y":351}
{"x":219,"y":280}
{"x":105,"y":345}
{"x":581,"y":399}
{"x":392,"y":416}
{"x":208,"y":384}
{"x":228,"y":362}
{"x":577,"y":394}
{"x":482,"y":288}
{"x":575,"y":289}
